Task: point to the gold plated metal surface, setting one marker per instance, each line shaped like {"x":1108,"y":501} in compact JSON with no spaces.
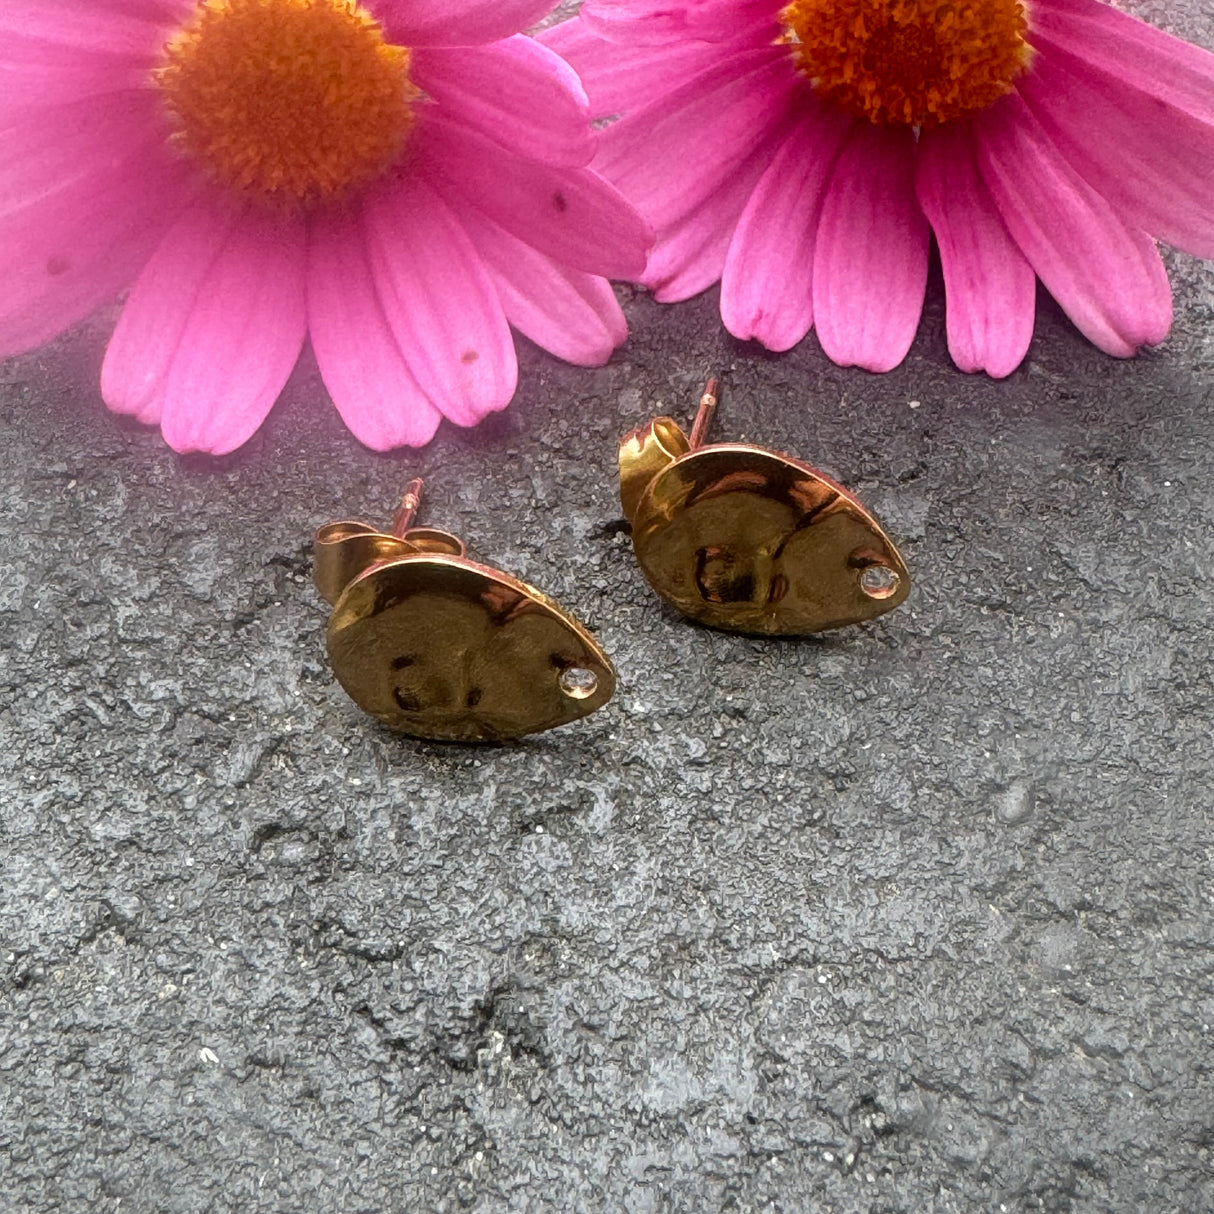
{"x":750,"y":540}
{"x":438,"y":646}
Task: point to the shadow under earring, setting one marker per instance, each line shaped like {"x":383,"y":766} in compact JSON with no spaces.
{"x":438,"y":646}
{"x":750,"y":540}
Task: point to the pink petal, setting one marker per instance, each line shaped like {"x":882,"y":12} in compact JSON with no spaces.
{"x":159,"y":307}
{"x":86,"y":190}
{"x":242,"y":338}
{"x":573,"y":315}
{"x":711,"y":20}
{"x":128,"y":28}
{"x":439,"y":302}
{"x":870,"y":261}
{"x":68,"y":143}
{"x":1127,"y":49}
{"x":1153,"y":160}
{"x":990,"y":289}
{"x":691,"y":250}
{"x":690,"y":159}
{"x":767,"y":285}
{"x":690,"y":254}
{"x":571,"y":214}
{"x":457,"y":22}
{"x":670,"y":157}
{"x":36,"y":73}
{"x":52,"y":52}
{"x":620,"y":77}
{"x":516,"y":92}
{"x":359,"y":358}
{"x":1107,"y":277}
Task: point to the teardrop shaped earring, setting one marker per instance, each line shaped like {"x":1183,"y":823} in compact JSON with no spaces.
{"x":750,"y":540}
{"x":438,"y":646}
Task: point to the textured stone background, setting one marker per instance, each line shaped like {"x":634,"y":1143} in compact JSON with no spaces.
{"x":915,"y":916}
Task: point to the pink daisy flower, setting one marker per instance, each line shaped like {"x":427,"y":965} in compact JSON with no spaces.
{"x":400,"y":180}
{"x":803,"y":153}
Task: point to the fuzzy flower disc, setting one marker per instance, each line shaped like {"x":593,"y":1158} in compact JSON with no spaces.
{"x":909,"y":62}
{"x":291,"y":102}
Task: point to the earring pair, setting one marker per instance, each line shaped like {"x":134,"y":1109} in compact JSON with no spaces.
{"x":734,"y":536}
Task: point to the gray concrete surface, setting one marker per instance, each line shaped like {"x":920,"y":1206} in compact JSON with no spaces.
{"x":914,"y":917}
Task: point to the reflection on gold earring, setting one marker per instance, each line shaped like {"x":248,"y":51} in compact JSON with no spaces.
{"x":750,"y":540}
{"x":438,"y":646}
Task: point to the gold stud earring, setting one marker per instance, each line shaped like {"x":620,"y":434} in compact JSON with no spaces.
{"x":438,"y":646}
{"x":750,"y":540}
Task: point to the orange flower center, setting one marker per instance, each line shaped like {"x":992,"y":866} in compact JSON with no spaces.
{"x":913,"y":62}
{"x":290,"y":102}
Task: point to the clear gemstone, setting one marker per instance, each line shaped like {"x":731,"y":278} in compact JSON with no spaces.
{"x":878,"y":581}
{"x":578,"y":682}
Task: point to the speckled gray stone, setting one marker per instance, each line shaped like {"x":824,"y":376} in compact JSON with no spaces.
{"x":912,"y":917}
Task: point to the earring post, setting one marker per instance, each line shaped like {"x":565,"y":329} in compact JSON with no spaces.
{"x":704,"y":415}
{"x":409,"y":502}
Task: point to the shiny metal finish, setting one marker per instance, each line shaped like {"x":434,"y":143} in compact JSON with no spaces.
{"x":438,"y":646}
{"x":749,"y":540}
